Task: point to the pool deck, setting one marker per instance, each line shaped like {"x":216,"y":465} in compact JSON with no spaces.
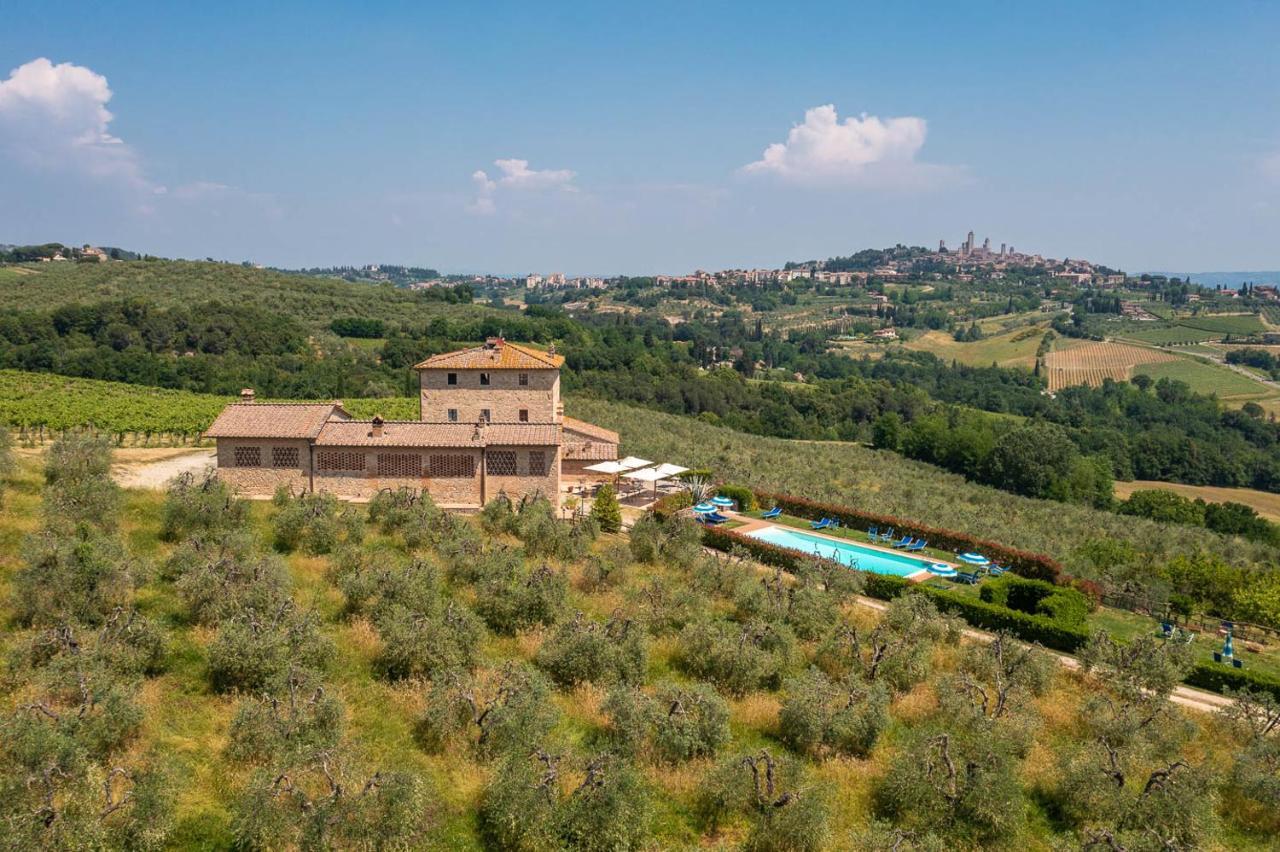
{"x":753,"y":524}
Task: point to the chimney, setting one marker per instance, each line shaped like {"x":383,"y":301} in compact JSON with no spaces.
{"x":376,"y":431}
{"x":246,"y":394}
{"x":551,"y":350}
{"x":493,"y":343}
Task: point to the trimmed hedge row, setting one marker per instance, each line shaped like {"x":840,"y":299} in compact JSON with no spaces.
{"x":1216,"y":677}
{"x":1036,"y":566}
{"x":988,"y":616}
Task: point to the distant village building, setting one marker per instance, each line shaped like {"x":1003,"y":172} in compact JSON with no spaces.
{"x":490,"y":421}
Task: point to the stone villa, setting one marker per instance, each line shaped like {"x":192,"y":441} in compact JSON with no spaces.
{"x":490,"y":420}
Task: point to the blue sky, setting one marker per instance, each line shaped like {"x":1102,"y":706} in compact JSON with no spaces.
{"x":538,"y":137}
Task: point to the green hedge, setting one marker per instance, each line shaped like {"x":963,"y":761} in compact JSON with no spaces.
{"x":1216,"y":677}
{"x":1061,"y":604}
{"x":740,"y":494}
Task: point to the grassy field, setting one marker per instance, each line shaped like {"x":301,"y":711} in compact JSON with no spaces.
{"x":1264,"y":503}
{"x":1168,"y":335}
{"x":1204,"y":377}
{"x":1016,"y":348}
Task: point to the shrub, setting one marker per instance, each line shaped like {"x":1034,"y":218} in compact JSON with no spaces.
{"x":784,"y":812}
{"x":605,"y":510}
{"x":740,"y":494}
{"x":252,"y":651}
{"x":200,"y":506}
{"x":1066,"y":606}
{"x":608,"y":569}
{"x":503,"y":711}
{"x":821,"y":717}
{"x":1219,"y":678}
{"x":498,"y":515}
{"x":315,"y":523}
{"x":645,"y":539}
{"x":737,"y":658}
{"x":416,"y":644}
{"x":410,"y":513}
{"x":217,"y":584}
{"x":676,"y":723}
{"x":78,"y":485}
{"x":1029,"y":628}
{"x":81,"y":576}
{"x":522,"y":598}
{"x":301,"y":721}
{"x":582,"y":650}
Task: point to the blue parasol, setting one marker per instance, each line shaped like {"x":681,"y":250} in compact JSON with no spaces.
{"x":721,"y":500}
{"x":704,"y":509}
{"x":1228,"y":649}
{"x":973,"y":558}
{"x":938,"y":569}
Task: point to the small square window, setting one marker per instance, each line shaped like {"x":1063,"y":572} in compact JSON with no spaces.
{"x":248,"y":456}
{"x":524,"y":379}
{"x":452,"y":379}
{"x":453,"y":415}
{"x":484,"y":378}
{"x":485,"y":415}
{"x":537,"y":463}
{"x":524,"y":415}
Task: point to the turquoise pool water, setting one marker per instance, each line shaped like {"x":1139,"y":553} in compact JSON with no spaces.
{"x":845,"y":552}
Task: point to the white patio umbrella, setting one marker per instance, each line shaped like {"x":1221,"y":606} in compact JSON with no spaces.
{"x":631,"y":462}
{"x":648,"y":474}
{"x":610,"y":467}
{"x":669,"y":470}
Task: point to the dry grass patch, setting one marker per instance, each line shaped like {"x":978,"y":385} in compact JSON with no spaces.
{"x":917,"y":704}
{"x":757,"y":711}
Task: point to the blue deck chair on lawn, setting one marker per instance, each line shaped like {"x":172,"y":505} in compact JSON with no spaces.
{"x":772,"y":513}
{"x":902,"y":542}
{"x":873,"y":533}
{"x":1166,"y":630}
{"x":887,"y":535}
{"x":716,"y":518}
{"x":970,"y":577}
{"x":995,"y":570}
{"x":820,"y":525}
{"x":918,"y":544}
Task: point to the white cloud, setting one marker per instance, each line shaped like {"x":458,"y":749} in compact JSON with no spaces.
{"x":515,"y":175}
{"x":866,"y":149}
{"x":55,"y":117}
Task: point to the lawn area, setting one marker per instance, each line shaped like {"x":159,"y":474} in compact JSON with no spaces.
{"x":1015,"y":348}
{"x":1203,"y":377}
{"x":1163,"y":335}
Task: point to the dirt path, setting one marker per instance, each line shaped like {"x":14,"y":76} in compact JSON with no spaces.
{"x":152,"y":469}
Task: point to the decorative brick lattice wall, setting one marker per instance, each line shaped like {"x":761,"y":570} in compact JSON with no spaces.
{"x":248,"y":457}
{"x":284,"y":457}
{"x":451,"y":467}
{"x":400,"y":464}
{"x":338,"y":460}
{"x":500,"y":463}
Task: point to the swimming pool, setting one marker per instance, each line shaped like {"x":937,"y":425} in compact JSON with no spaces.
{"x":845,"y":552}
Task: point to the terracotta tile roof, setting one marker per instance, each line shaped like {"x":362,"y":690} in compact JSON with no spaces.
{"x":589,"y":430}
{"x":501,"y":356}
{"x":414,"y":433}
{"x":273,"y":419}
{"x":591,"y":450}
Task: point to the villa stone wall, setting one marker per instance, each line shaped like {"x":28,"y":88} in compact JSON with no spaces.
{"x":449,"y":492}
{"x":503,"y":396}
{"x":263,"y":478}
{"x":523,"y":482}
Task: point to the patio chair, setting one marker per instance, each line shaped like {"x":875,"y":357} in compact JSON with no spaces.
{"x":971,"y":578}
{"x":1237,"y":663}
{"x":1166,"y":629}
{"x":873,"y":533}
{"x":887,"y":535}
{"x":996,"y":570}
{"x":716,"y":518}
{"x":917,"y":545}
{"x":1217,"y":657}
{"x":820,"y":525}
{"x":903,"y":542}
{"x":772,"y":513}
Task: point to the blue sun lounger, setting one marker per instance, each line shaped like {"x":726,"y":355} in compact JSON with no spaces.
{"x":820,"y":525}
{"x":716,"y":518}
{"x":902,"y":542}
{"x":918,"y":544}
{"x":772,"y":513}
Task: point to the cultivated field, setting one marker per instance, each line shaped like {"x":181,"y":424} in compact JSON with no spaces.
{"x":1264,"y":503}
{"x":1091,"y":363}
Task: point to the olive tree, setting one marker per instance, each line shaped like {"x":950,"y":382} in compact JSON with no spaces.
{"x":677,"y":722}
{"x":79,"y":576}
{"x":78,"y":488}
{"x":286,"y":724}
{"x":200,"y":505}
{"x":737,"y":658}
{"x":254,"y":650}
{"x":821,"y":717}
{"x":496,"y":711}
{"x":784,"y":813}
{"x":895,"y":651}
{"x":582,"y":650}
{"x":522,"y":597}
